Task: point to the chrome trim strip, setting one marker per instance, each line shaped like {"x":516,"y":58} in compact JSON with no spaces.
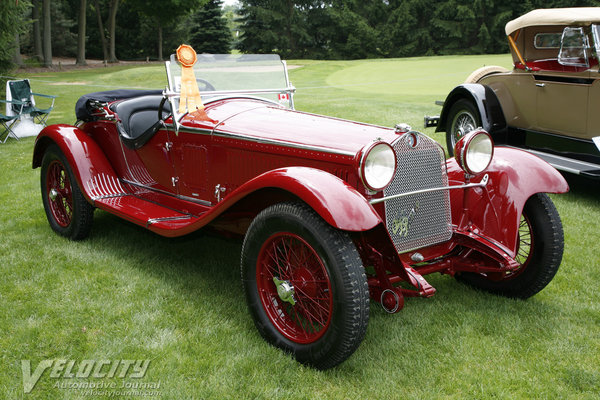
{"x":155,"y":220}
{"x":483,"y":183}
{"x":190,"y":199}
{"x":169,"y":77}
{"x":212,"y":99}
{"x":169,"y":93}
{"x":291,"y":88}
{"x":195,"y":131}
{"x":284,"y":144}
{"x":109,"y":196}
{"x":194,"y":200}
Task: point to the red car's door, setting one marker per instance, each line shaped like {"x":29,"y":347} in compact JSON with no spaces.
{"x":191,"y":155}
{"x":151,"y":165}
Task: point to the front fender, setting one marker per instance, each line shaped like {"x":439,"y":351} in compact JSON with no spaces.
{"x":84,"y":155}
{"x":339,"y":204}
{"x":484,"y":99}
{"x":495,"y":211}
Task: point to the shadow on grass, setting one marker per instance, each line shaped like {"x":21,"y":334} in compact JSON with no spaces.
{"x":212,"y":261}
{"x":586,"y":188}
{"x":200,"y":255}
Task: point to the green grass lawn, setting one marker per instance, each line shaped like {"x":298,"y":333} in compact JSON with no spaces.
{"x":126,"y":293}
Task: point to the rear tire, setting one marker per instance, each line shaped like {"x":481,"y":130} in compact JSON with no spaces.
{"x":68,"y":212}
{"x":305,"y":285}
{"x":541,"y":244}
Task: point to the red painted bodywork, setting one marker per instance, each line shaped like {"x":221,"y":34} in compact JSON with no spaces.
{"x":254,"y":154}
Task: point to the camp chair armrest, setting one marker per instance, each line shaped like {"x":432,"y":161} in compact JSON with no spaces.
{"x":11,"y":101}
{"x":44,"y":95}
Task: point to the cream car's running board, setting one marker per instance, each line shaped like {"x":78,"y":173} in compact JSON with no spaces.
{"x":569,"y":165}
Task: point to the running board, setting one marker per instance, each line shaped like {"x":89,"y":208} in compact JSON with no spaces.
{"x":145,"y":213}
{"x":571,"y":165}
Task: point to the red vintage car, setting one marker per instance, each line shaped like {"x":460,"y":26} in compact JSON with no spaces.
{"x":332,"y":212}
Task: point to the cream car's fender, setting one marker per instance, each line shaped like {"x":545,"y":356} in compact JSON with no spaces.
{"x":486,"y":102}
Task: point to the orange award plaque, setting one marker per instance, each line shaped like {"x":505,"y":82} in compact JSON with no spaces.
{"x":190,"y":100}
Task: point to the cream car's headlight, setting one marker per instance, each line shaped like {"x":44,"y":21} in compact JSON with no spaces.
{"x":474,"y":151}
{"x":377,"y":166}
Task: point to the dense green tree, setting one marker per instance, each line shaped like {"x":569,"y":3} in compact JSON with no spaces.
{"x":407,"y":31}
{"x":209,"y":32}
{"x":36,"y":13}
{"x":164,"y":14}
{"x":64,"y":28}
{"x":12,"y":23}
{"x":347,"y":34}
{"x":101,"y":32}
{"x":232,"y":16}
{"x":275,"y":26}
{"x":293,"y":28}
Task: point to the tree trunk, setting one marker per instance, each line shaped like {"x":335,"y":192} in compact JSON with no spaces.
{"x":37,"y":32}
{"x":47,"y":38}
{"x":17,"y":59}
{"x":112,"y":24}
{"x":290,"y":23}
{"x":101,"y":29}
{"x":81,"y":33}
{"x":160,"y":42}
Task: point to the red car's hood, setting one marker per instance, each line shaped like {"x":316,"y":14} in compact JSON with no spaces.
{"x":257,"y":121}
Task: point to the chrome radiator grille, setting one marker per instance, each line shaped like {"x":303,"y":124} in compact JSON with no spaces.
{"x":423,"y":219}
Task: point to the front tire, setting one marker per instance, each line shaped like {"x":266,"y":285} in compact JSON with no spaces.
{"x":463,"y":117}
{"x":305,"y":285}
{"x":68,"y":212}
{"x":540,"y":250}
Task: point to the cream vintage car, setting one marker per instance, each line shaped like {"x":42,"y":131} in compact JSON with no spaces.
{"x":548,"y":103}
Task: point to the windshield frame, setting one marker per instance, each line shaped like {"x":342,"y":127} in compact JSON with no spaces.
{"x":284,"y":94}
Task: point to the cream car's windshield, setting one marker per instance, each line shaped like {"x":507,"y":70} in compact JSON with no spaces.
{"x":226,"y":75}
{"x":596,"y":35}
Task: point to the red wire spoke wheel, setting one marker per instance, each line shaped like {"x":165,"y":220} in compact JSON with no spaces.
{"x":525,"y":246}
{"x":294,"y":287}
{"x":68,"y":212}
{"x":305,"y":285}
{"x":58,"y":190}
{"x":539,"y":251}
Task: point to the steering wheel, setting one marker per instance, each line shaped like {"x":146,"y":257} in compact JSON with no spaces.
{"x":204,"y":85}
{"x":161,"y":117}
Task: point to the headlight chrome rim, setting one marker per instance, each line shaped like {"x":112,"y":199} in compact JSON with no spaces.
{"x":475,"y":151}
{"x":366,"y":167}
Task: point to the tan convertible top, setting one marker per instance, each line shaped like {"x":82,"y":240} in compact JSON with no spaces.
{"x":555,"y":16}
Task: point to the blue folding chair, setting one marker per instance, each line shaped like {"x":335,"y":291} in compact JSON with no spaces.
{"x":21,"y":90}
{"x":8,"y":121}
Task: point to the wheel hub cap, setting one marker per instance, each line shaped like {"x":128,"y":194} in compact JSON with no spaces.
{"x":53,"y":194}
{"x":285,"y":291}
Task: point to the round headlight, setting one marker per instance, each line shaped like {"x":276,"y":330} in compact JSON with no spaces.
{"x":474,"y":151}
{"x":377,"y":166}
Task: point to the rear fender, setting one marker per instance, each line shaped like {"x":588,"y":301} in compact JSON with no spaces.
{"x":494,"y":212}
{"x":94,"y":174}
{"x":484,"y":99}
{"x":339,"y":204}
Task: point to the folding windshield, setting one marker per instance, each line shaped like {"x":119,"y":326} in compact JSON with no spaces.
{"x":573,"y":49}
{"x":227,"y":75}
{"x":596,"y":35}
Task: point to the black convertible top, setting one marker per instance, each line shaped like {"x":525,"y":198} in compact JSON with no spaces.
{"x":83,"y":111}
